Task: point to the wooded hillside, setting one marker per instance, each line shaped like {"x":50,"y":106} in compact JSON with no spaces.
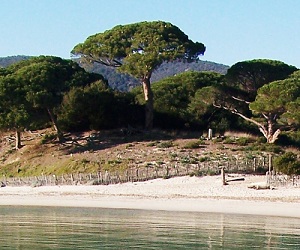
{"x":125,"y":82}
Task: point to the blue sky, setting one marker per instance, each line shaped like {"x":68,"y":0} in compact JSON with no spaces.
{"x":232,"y":30}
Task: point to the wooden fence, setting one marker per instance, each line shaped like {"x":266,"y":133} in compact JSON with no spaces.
{"x":258,"y":165}
{"x":279,"y":180}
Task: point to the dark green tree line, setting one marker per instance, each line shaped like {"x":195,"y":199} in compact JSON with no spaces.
{"x":247,"y":88}
{"x":37,"y":84}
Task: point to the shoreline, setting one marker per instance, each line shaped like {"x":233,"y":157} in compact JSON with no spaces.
{"x":187,"y":194}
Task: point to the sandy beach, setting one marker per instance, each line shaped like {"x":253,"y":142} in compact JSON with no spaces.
{"x":195,"y":194}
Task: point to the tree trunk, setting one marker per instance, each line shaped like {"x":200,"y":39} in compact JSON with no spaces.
{"x":18,"y":139}
{"x":56,"y":128}
{"x":268,"y":132}
{"x":273,"y":137}
{"x":148,"y":95}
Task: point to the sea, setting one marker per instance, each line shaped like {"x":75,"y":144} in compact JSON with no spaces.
{"x":33,"y":228}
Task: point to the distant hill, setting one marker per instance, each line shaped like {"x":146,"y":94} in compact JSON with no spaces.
{"x":125,"y":82}
{"x":6,"y":61}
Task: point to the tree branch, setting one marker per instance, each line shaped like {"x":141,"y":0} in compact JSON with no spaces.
{"x":264,"y":115}
{"x":236,"y":112}
{"x":105,"y":61}
{"x":240,"y":100}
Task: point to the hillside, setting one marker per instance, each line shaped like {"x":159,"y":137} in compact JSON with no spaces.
{"x":125,"y":82}
{"x":6,"y":61}
{"x":116,"y":150}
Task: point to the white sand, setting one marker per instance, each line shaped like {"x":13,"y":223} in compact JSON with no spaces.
{"x":197,"y":194}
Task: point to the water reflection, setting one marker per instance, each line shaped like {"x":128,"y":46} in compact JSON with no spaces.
{"x":94,"y":228}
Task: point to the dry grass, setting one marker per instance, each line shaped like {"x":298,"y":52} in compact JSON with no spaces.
{"x":94,"y":151}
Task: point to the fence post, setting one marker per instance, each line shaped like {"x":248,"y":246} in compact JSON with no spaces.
{"x":98,"y":177}
{"x":127,"y":175}
{"x":270,"y":163}
{"x":223,"y":176}
{"x":209,"y":134}
{"x":106,"y":177}
{"x":167,"y":172}
{"x":268,"y":176}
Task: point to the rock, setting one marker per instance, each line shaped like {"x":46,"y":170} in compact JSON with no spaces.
{"x":259,"y":185}
{"x":36,"y":184}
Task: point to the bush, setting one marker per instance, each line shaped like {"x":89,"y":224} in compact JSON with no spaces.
{"x":48,"y":137}
{"x":266,"y":147}
{"x":194,"y":144}
{"x":229,"y":140}
{"x":291,"y":138}
{"x":165,"y":144}
{"x":287,"y":164}
{"x":243,"y":141}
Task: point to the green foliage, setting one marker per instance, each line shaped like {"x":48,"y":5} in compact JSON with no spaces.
{"x":287,"y":163}
{"x":276,"y":97}
{"x":48,"y":137}
{"x":263,"y":147}
{"x":278,"y":102}
{"x":173,"y":68}
{"x":46,"y":78}
{"x":125,"y":82}
{"x":138,"y":48}
{"x":204,"y":100}
{"x":229,"y":140}
{"x":31,"y":87}
{"x":249,"y":76}
{"x":243,"y":141}
{"x":220,"y":124}
{"x":203,"y":159}
{"x":290,"y":138}
{"x":96,"y":107}
{"x":173,"y":95}
{"x":291,"y":92}
{"x":165,"y":144}
{"x":14,"y":108}
{"x":242,"y":83}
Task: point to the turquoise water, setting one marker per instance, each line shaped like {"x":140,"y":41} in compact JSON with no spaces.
{"x":94,"y":228}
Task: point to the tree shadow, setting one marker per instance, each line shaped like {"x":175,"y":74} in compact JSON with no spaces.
{"x":100,"y":140}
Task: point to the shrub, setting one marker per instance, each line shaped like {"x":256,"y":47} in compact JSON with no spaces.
{"x":291,"y":138}
{"x":287,"y":164}
{"x":48,"y":137}
{"x":203,"y":159}
{"x":165,"y":144}
{"x":151,"y":144}
{"x":229,"y":140}
{"x":217,"y":140}
{"x":193,"y":144}
{"x":242,"y":141}
{"x":265,"y":147}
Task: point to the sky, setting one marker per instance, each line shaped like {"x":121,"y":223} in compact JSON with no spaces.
{"x":232,"y":30}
